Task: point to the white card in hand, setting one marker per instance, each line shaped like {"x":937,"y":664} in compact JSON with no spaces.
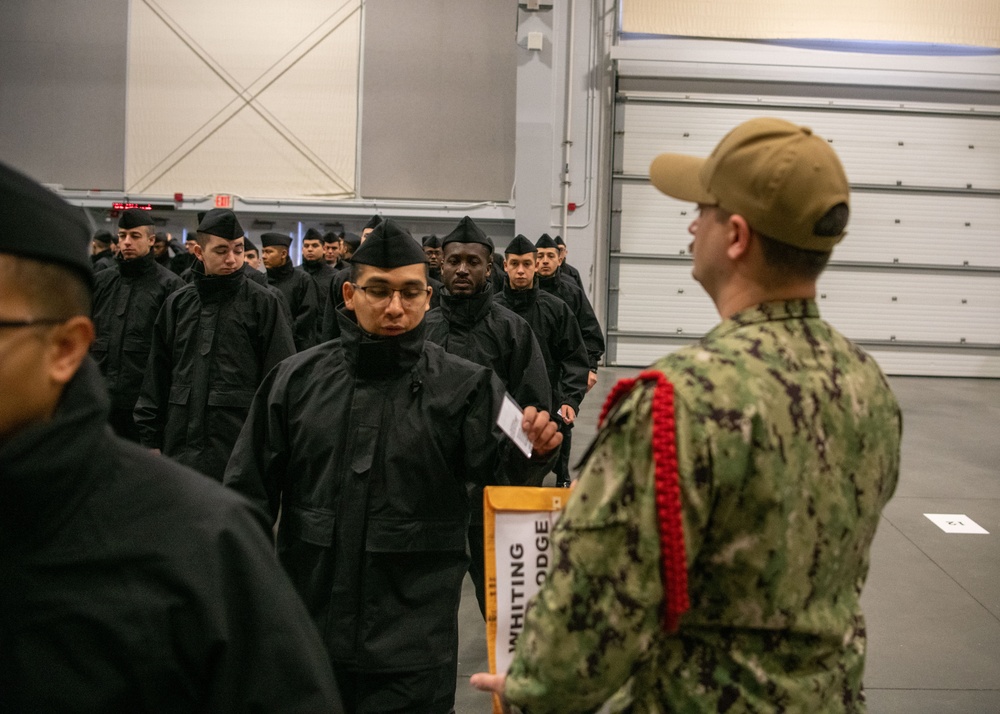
{"x":510,"y":420}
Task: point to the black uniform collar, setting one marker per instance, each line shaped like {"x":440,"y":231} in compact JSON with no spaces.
{"x":281,"y":272}
{"x":103,"y":254}
{"x":520,"y":299}
{"x":373,"y":357}
{"x":313,"y":266}
{"x":137,"y":266}
{"x":42,"y":469}
{"x":552,"y":282}
{"x":212,"y":288}
{"x":466,"y":310}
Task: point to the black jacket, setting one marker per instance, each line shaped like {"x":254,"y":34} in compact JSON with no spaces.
{"x":560,"y":340}
{"x":214,"y":341}
{"x":127,"y":299}
{"x":130,"y":583}
{"x":483,"y":331}
{"x":102,"y":261}
{"x":300,"y":292}
{"x":573,"y":274}
{"x":322,"y":274}
{"x":367,"y":445}
{"x":182,"y":261}
{"x":566,"y":290}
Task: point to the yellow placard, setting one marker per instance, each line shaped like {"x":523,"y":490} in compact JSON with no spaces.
{"x":519,"y":520}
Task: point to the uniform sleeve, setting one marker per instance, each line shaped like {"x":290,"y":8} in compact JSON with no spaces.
{"x":599,"y":614}
{"x":593,"y":337}
{"x":490,"y":451}
{"x":275,"y":335}
{"x":530,"y":380}
{"x":256,"y":467}
{"x":330,"y":329}
{"x":150,"y":411}
{"x":571,"y":353}
{"x":306,"y":313}
{"x":272,"y":658}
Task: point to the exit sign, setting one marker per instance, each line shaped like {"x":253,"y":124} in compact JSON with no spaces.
{"x":223,"y":200}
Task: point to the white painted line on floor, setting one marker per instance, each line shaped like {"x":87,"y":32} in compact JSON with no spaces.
{"x":955,"y":523}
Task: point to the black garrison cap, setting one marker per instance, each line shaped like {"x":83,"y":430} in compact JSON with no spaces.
{"x":249,"y":245}
{"x":312,"y":234}
{"x":468,"y":232}
{"x":520,"y":246}
{"x":281,"y":240}
{"x":221,"y":222}
{"x":373,"y":222}
{"x":39,"y":225}
{"x":331,"y":237}
{"x":133,"y":218}
{"x":389,"y":246}
{"x":431,"y":241}
{"x":103,"y":236}
{"x":201,"y":216}
{"x":353,"y":240}
{"x":559,"y":241}
{"x":545,"y":242}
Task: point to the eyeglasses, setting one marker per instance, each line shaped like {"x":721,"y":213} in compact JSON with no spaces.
{"x":14,"y":324}
{"x":381,"y":295}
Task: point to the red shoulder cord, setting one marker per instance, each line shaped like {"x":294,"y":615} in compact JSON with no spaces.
{"x":673,"y":556}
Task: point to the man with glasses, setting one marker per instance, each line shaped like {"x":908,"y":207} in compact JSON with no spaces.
{"x":127,"y":299}
{"x":129,"y":582}
{"x":374,"y":511}
{"x":214,"y":341}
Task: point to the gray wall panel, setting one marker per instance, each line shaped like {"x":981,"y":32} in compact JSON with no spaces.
{"x":438,"y":99}
{"x":62,"y":90}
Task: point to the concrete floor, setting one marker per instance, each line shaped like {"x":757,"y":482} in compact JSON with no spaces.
{"x":932,"y":600}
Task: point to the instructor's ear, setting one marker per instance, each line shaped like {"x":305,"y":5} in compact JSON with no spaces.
{"x":740,"y":234}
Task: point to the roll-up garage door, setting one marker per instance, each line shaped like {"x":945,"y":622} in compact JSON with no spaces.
{"x":917,"y":279}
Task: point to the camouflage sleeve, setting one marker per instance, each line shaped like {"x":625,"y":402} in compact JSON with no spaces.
{"x":599,"y":615}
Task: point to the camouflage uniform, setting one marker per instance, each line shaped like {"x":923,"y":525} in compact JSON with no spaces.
{"x":788,"y":449}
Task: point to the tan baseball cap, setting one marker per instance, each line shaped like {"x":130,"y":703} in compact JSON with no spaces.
{"x":786,"y":181}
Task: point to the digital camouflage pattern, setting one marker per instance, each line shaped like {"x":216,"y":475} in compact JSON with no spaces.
{"x":788,"y":449}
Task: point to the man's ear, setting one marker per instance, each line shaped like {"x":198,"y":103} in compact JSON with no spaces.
{"x":199,"y":253}
{"x":348,"y":293}
{"x":69,"y":345}
{"x":739,"y":236}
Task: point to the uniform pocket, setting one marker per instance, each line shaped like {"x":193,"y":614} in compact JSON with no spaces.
{"x":179,"y":394}
{"x":310,"y":525}
{"x":236,"y":399}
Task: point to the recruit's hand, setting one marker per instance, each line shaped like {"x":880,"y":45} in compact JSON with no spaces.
{"x":567,"y":413}
{"x":541,"y":430}
{"x":494,"y":683}
{"x":591,"y":380}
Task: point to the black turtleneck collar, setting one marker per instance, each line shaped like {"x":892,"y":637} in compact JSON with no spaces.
{"x":314,"y":266}
{"x":435,"y":273}
{"x":137,"y":266}
{"x":551,"y":282}
{"x":212,"y":288}
{"x":520,"y":299}
{"x":374,"y":357}
{"x":44,"y":469}
{"x":103,"y":254}
{"x":466,"y":310}
{"x":281,"y":272}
